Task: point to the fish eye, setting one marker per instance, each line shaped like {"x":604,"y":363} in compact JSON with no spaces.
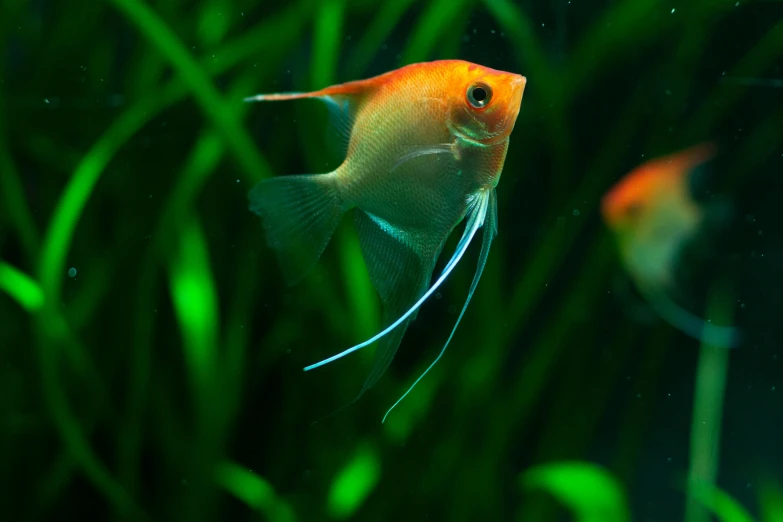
{"x":479,"y":95}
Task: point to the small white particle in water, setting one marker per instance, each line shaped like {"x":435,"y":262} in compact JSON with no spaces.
{"x":672,"y":11}
{"x":668,"y":394}
{"x":773,"y":388}
{"x":576,"y":212}
{"x":668,"y":92}
{"x":242,"y":13}
{"x":736,"y":5}
{"x":237,"y":181}
{"x":492,"y":31}
{"x":72,"y":272}
{"x":46,"y":100}
{"x":669,"y":459}
{"x":542,"y":25}
{"x":348,"y":37}
{"x":438,"y":295}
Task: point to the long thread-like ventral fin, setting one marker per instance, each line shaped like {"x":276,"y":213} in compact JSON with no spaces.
{"x":693,"y":326}
{"x":475,"y":220}
{"x":487,"y":208}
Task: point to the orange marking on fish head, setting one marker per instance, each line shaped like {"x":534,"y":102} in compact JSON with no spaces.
{"x":483,"y":103}
{"x":643,"y":187}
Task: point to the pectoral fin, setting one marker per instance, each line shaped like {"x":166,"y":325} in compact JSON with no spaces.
{"x":448,"y":149}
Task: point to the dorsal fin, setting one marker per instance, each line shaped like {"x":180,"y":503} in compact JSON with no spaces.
{"x":343,"y":101}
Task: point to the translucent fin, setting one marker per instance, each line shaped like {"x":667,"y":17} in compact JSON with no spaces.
{"x":691,"y":325}
{"x":470,"y":230}
{"x":399,"y":274}
{"x":300,"y":214}
{"x":341,"y":102}
{"x":355,"y":90}
{"x":443,"y":148}
{"x":341,"y":119}
{"x":487,"y":208}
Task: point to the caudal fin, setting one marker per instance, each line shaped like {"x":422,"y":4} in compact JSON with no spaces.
{"x":299,"y":214}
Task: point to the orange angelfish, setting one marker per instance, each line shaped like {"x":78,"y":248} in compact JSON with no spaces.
{"x":426,"y":145}
{"x":653,"y":215}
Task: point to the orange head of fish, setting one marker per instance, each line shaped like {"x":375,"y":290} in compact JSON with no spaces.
{"x":484,"y":103}
{"x":645,"y":186}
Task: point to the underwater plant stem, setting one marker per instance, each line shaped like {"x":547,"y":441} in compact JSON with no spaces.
{"x":12,"y":190}
{"x":49,"y":335}
{"x":78,"y":190}
{"x":200,"y":164}
{"x":196,"y":79}
{"x":707,"y":412}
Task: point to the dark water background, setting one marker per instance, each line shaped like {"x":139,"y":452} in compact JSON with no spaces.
{"x":125,"y":118}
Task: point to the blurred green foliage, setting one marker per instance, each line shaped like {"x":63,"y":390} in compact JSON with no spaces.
{"x":161,"y":378}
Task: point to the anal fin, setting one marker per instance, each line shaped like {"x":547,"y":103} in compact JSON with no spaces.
{"x":399,"y":274}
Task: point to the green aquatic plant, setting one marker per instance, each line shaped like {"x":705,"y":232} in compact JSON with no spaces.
{"x":151,"y":382}
{"x":593,"y":494}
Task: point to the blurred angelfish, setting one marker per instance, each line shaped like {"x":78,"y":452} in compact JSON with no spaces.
{"x":652,"y":214}
{"x":426,"y":145}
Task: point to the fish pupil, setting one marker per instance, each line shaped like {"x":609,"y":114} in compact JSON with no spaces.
{"x":479,"y":95}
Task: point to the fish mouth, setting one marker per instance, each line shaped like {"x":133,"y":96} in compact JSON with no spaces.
{"x":518,"y":84}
